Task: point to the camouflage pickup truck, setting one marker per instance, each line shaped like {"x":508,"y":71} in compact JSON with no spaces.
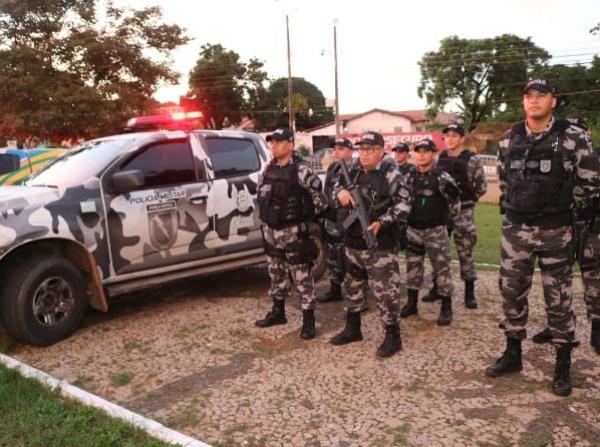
{"x":122,"y":213}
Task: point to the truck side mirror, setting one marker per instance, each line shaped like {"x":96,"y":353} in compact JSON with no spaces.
{"x":126,"y":181}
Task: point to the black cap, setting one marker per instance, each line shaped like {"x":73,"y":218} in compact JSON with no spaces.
{"x":426,"y":143}
{"x":374,"y":138}
{"x":401,"y":147}
{"x":578,"y":122}
{"x":281,"y":135}
{"x":541,"y":85}
{"x":344,"y":142}
{"x":455,"y":127}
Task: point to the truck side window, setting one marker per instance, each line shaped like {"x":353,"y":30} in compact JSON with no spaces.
{"x":9,"y":163}
{"x":232,"y":156}
{"x":164,"y":164}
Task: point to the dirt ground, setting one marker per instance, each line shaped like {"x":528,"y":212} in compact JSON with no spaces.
{"x":190,"y":356}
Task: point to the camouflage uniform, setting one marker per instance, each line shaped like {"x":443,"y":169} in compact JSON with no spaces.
{"x":590,"y":261}
{"x":590,"y":275}
{"x":281,"y":245}
{"x":433,"y":240}
{"x":379,"y":268}
{"x":335,"y":241}
{"x":544,"y":235}
{"x":463,"y":224}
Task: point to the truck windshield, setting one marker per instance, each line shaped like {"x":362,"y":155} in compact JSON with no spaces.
{"x":79,"y":164}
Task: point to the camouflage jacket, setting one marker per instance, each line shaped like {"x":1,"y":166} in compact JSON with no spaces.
{"x":447,"y":187}
{"x":579,"y":160}
{"x":400,"y":195}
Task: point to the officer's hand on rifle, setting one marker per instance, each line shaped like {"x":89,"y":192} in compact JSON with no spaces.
{"x":345,"y":198}
{"x":375,"y":227}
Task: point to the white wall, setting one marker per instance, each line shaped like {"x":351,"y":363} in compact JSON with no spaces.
{"x":379,"y":122}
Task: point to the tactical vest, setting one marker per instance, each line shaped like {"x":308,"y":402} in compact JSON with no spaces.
{"x":428,"y":204}
{"x":457,"y":168}
{"x":282,"y":201}
{"x":375,"y":190}
{"x":539,"y":190}
{"x":407,"y":168}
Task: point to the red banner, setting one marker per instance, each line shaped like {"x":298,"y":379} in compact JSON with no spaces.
{"x":391,"y":139}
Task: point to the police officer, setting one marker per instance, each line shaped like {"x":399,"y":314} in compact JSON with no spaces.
{"x":380,"y":184}
{"x":435,"y":195}
{"x":467,"y":171}
{"x":401,"y":152}
{"x":342,"y":149}
{"x":546,"y":171}
{"x":589,"y":264}
{"x":289,"y":196}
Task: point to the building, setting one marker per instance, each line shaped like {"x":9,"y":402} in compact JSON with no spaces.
{"x":408,"y":125}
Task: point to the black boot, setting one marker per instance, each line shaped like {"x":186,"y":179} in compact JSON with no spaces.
{"x":510,"y":361}
{"x":433,"y":294}
{"x":445,"y":317}
{"x":410,"y":308}
{"x":595,"y":338}
{"x":308,"y":325}
{"x":275,"y":316}
{"x":333,"y":294}
{"x":543,"y":336}
{"x":391,"y":343}
{"x":470,"y":302}
{"x":351,"y":332}
{"x":561,"y":385}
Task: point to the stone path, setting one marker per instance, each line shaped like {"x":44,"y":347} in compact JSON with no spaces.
{"x":189,"y":355}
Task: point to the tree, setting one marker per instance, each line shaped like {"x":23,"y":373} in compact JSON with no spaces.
{"x":308,"y":103}
{"x":481,"y":77}
{"x":224,"y":87}
{"x":64,"y":75}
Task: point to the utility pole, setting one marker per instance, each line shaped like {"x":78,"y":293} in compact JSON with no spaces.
{"x":290,"y":108}
{"x":337,"y":102}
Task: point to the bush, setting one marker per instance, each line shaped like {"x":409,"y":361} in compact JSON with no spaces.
{"x":303,"y":150}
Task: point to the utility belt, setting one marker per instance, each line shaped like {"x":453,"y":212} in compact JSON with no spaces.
{"x":545,"y":221}
{"x":302,"y":251}
{"x":420,"y":225}
{"x":385,"y":241}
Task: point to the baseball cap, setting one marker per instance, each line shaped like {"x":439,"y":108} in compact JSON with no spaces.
{"x":344,"y":142}
{"x":455,"y":127}
{"x":281,"y":135}
{"x":374,"y":138}
{"x":541,"y":85}
{"x":426,"y":143}
{"x":401,"y":147}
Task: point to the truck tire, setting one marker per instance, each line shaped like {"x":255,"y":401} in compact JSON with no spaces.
{"x":320,"y":264}
{"x":43,"y":300}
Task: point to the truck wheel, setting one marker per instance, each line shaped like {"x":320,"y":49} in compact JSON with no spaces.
{"x":320,"y":264}
{"x":43,"y":301}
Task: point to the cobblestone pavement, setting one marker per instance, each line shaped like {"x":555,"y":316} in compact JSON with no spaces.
{"x":190,"y":356}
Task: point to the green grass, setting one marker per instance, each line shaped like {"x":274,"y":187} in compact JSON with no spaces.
{"x":489,"y":223}
{"x":32,"y":415}
{"x":121,"y":379}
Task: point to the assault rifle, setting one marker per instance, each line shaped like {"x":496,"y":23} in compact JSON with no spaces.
{"x":360,"y":211}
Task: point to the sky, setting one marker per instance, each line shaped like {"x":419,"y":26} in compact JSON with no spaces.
{"x":379,"y":42}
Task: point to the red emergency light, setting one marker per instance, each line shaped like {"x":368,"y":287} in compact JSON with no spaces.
{"x":167,"y":121}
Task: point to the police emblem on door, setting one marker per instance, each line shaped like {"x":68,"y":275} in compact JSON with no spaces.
{"x":163,"y":224}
